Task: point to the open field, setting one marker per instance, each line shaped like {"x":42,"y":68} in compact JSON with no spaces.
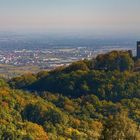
{"x":9,"y":71}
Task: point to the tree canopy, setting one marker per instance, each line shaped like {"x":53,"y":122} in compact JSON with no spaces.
{"x":96,"y":99}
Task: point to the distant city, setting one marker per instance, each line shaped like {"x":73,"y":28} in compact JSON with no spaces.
{"x":45,"y":58}
{"x":48,"y":53}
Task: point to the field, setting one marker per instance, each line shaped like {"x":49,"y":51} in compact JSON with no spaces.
{"x":9,"y":71}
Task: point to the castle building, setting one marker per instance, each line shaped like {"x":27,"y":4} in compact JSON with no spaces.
{"x":138,"y":49}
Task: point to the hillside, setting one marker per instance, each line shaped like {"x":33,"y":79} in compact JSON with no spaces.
{"x":96,"y":99}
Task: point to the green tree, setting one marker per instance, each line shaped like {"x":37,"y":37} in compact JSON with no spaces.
{"x":79,"y":65}
{"x":115,"y":60}
{"x":120,"y":127}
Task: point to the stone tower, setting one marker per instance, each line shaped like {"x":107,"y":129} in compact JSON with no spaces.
{"x":138,"y":49}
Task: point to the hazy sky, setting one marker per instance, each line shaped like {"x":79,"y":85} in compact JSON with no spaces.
{"x":97,"y":16}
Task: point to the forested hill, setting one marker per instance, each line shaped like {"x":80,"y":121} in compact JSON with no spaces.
{"x":109,"y":76}
{"x":96,"y":99}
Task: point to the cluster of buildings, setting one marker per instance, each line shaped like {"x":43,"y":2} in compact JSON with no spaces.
{"x":45,"y":58}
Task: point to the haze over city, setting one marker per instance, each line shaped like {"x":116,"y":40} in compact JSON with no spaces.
{"x":89,"y":17}
{"x":51,"y":33}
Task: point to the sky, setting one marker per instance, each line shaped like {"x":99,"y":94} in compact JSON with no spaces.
{"x":87,"y":16}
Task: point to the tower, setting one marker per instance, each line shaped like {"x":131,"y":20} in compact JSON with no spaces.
{"x":138,"y":49}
